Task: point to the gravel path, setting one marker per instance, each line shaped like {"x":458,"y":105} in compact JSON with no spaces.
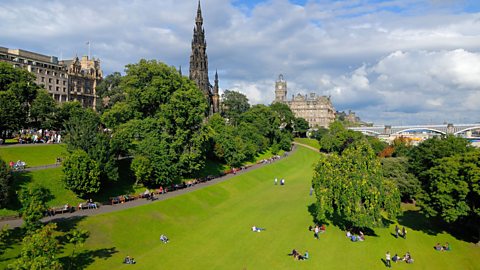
{"x":13,"y":223}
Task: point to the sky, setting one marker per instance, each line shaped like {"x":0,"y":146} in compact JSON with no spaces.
{"x":393,"y":62}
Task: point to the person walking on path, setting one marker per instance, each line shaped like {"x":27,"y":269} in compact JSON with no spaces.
{"x":396,"y":231}
{"x":404,"y":233}
{"x":311,"y":191}
{"x":387,"y":259}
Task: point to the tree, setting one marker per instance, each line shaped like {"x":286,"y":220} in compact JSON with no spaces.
{"x":10,"y":113}
{"x":34,"y":205}
{"x":143,"y":170}
{"x":76,"y":238}
{"x":43,"y":110}
{"x":233,"y":105}
{"x":39,"y":250}
{"x":351,"y":186}
{"x":84,"y":133}
{"x":423,"y":157}
{"x":285,"y":114}
{"x":396,"y":169}
{"x":109,"y":92}
{"x":453,"y":190}
{"x":64,"y":112}
{"x":338,"y":138}
{"x":301,"y":127}
{"x":81,"y":173}
{"x":5,"y":183}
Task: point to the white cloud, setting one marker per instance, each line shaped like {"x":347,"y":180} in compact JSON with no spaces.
{"x":399,"y":61}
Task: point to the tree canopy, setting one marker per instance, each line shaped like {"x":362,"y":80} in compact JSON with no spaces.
{"x":351,"y":185}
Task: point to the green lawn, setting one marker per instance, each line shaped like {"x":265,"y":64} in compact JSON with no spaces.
{"x":311,"y":142}
{"x":48,"y":178}
{"x":33,"y":154}
{"x":210,"y":229}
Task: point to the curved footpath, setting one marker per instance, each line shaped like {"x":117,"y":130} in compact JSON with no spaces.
{"x":107,"y":208}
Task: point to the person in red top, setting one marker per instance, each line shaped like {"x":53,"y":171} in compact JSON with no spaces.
{"x":11,"y":164}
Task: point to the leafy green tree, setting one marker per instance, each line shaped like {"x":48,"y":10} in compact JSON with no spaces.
{"x":150,"y":84}
{"x":10,"y":113}
{"x":39,"y":250}
{"x":4,"y":233}
{"x":338,"y":138}
{"x":351,"y":186}
{"x":118,"y":114}
{"x":233,"y":105}
{"x":84,"y":133}
{"x":143,"y":170}
{"x":377,"y":145}
{"x":453,"y":190}
{"x":396,"y":169}
{"x":423,"y":157}
{"x":64,"y":112}
{"x":42,"y":111}
{"x":76,"y":238}
{"x":5,"y":183}
{"x":34,"y":205}
{"x":285,"y":115}
{"x":109,"y":92}
{"x":81,"y":173}
{"x":22,"y":84}
{"x":301,"y":127}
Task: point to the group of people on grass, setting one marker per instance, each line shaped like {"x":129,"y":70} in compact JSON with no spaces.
{"x":445,"y":247}
{"x":298,"y":256}
{"x":129,"y":260}
{"x":354,"y":237}
{"x":406,"y":258}
{"x":164,"y":238}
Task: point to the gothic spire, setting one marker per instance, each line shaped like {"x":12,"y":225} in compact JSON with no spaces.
{"x":199,"y":19}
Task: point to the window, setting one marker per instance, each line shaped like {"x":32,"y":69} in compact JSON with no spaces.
{"x":43,"y":79}
{"x":49,"y":80}
{"x":64,"y":89}
{"x":50,"y":87}
{"x":57,"y":88}
{"x":64,"y":82}
{"x":58,"y":81}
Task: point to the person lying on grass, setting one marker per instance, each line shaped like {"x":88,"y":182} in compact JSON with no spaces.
{"x":257,"y":229}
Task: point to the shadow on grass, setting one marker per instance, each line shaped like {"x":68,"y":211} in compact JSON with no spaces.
{"x":85,"y":258}
{"x":19,"y":181}
{"x":212,"y":167}
{"x":14,"y":237}
{"x":464,"y":229}
{"x":341,"y":223}
{"x":124,"y":186}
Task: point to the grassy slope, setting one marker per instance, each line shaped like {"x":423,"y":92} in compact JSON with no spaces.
{"x":33,"y":155}
{"x":210,"y":229}
{"x":311,"y":142}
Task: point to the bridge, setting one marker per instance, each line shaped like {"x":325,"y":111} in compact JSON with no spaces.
{"x":463,"y":130}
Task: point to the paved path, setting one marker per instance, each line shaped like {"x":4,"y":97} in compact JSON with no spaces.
{"x":13,"y":223}
{"x":307,"y":146}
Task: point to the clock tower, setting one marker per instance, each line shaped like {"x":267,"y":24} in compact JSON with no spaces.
{"x":280,"y":90}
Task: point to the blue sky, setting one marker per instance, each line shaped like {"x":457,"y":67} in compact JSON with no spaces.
{"x":392,"y":62}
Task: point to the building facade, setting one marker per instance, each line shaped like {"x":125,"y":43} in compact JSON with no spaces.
{"x":318,"y":111}
{"x":199,"y":65}
{"x":65,"y":80}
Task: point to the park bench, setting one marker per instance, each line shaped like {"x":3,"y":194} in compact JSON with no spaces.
{"x":61,"y":210}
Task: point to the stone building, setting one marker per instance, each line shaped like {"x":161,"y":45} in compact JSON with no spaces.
{"x":83,"y":77}
{"x":317,"y":110}
{"x":65,"y":80}
{"x":199,"y":65}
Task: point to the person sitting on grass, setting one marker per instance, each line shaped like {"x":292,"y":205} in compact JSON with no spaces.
{"x":164,"y":238}
{"x":361,"y":236}
{"x":129,"y":260}
{"x":438,"y":247}
{"x":306,"y":256}
{"x":396,"y":258}
{"x":295,"y":254}
{"x":407,"y":258}
{"x":323,"y":228}
{"x":446,"y":247}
